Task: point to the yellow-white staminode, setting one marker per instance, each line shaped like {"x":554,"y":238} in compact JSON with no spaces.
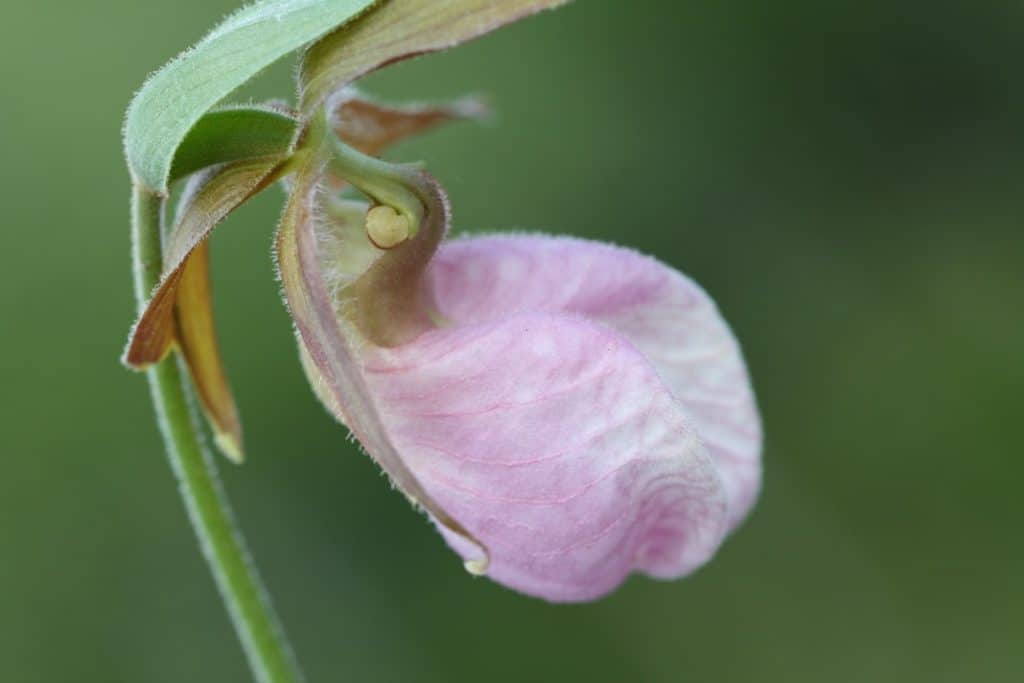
{"x":386,"y":227}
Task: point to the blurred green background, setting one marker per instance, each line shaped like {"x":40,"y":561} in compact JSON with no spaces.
{"x":845,"y":178}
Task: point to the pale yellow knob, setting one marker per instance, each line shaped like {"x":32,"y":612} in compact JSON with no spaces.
{"x":386,"y":227}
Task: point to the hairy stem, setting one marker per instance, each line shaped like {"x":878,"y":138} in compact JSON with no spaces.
{"x":247,"y":602}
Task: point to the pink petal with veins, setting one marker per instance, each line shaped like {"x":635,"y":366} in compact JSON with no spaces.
{"x":585,"y":414}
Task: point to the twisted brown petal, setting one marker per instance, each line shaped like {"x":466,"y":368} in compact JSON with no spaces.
{"x":180,"y":310}
{"x":371,"y":126}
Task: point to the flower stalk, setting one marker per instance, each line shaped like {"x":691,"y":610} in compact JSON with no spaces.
{"x":248,"y":604}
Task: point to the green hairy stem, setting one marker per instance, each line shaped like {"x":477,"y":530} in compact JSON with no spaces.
{"x":247,"y":602}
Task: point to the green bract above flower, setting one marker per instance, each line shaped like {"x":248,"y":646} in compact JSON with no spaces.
{"x":396,"y":30}
{"x":177,"y":96}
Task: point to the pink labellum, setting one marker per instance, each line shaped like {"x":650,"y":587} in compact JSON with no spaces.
{"x":578,"y":410}
{"x":584,"y":413}
{"x":666,"y":316}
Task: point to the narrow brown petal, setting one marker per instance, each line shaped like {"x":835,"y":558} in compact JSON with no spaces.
{"x":210,"y":197}
{"x":372,"y":126}
{"x":180,"y":310}
{"x":153,"y":334}
{"x":398,"y":29}
{"x":197,"y":340}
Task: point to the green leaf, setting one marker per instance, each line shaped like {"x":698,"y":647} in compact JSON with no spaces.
{"x":177,"y":96}
{"x":226,"y":135}
{"x":398,"y":29}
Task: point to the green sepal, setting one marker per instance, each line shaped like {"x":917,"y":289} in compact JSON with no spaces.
{"x":232,"y":134}
{"x":396,"y":30}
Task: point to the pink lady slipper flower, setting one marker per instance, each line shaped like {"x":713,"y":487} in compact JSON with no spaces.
{"x":566,"y":412}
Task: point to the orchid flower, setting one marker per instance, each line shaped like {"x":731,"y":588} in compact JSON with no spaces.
{"x":566,"y":412}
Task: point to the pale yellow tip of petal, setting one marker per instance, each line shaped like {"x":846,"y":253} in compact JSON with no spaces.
{"x":230,"y":447}
{"x":386,"y":227}
{"x":477,"y":567}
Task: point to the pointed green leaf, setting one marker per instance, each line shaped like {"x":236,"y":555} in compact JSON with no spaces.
{"x":176,"y":96}
{"x":398,"y":29}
